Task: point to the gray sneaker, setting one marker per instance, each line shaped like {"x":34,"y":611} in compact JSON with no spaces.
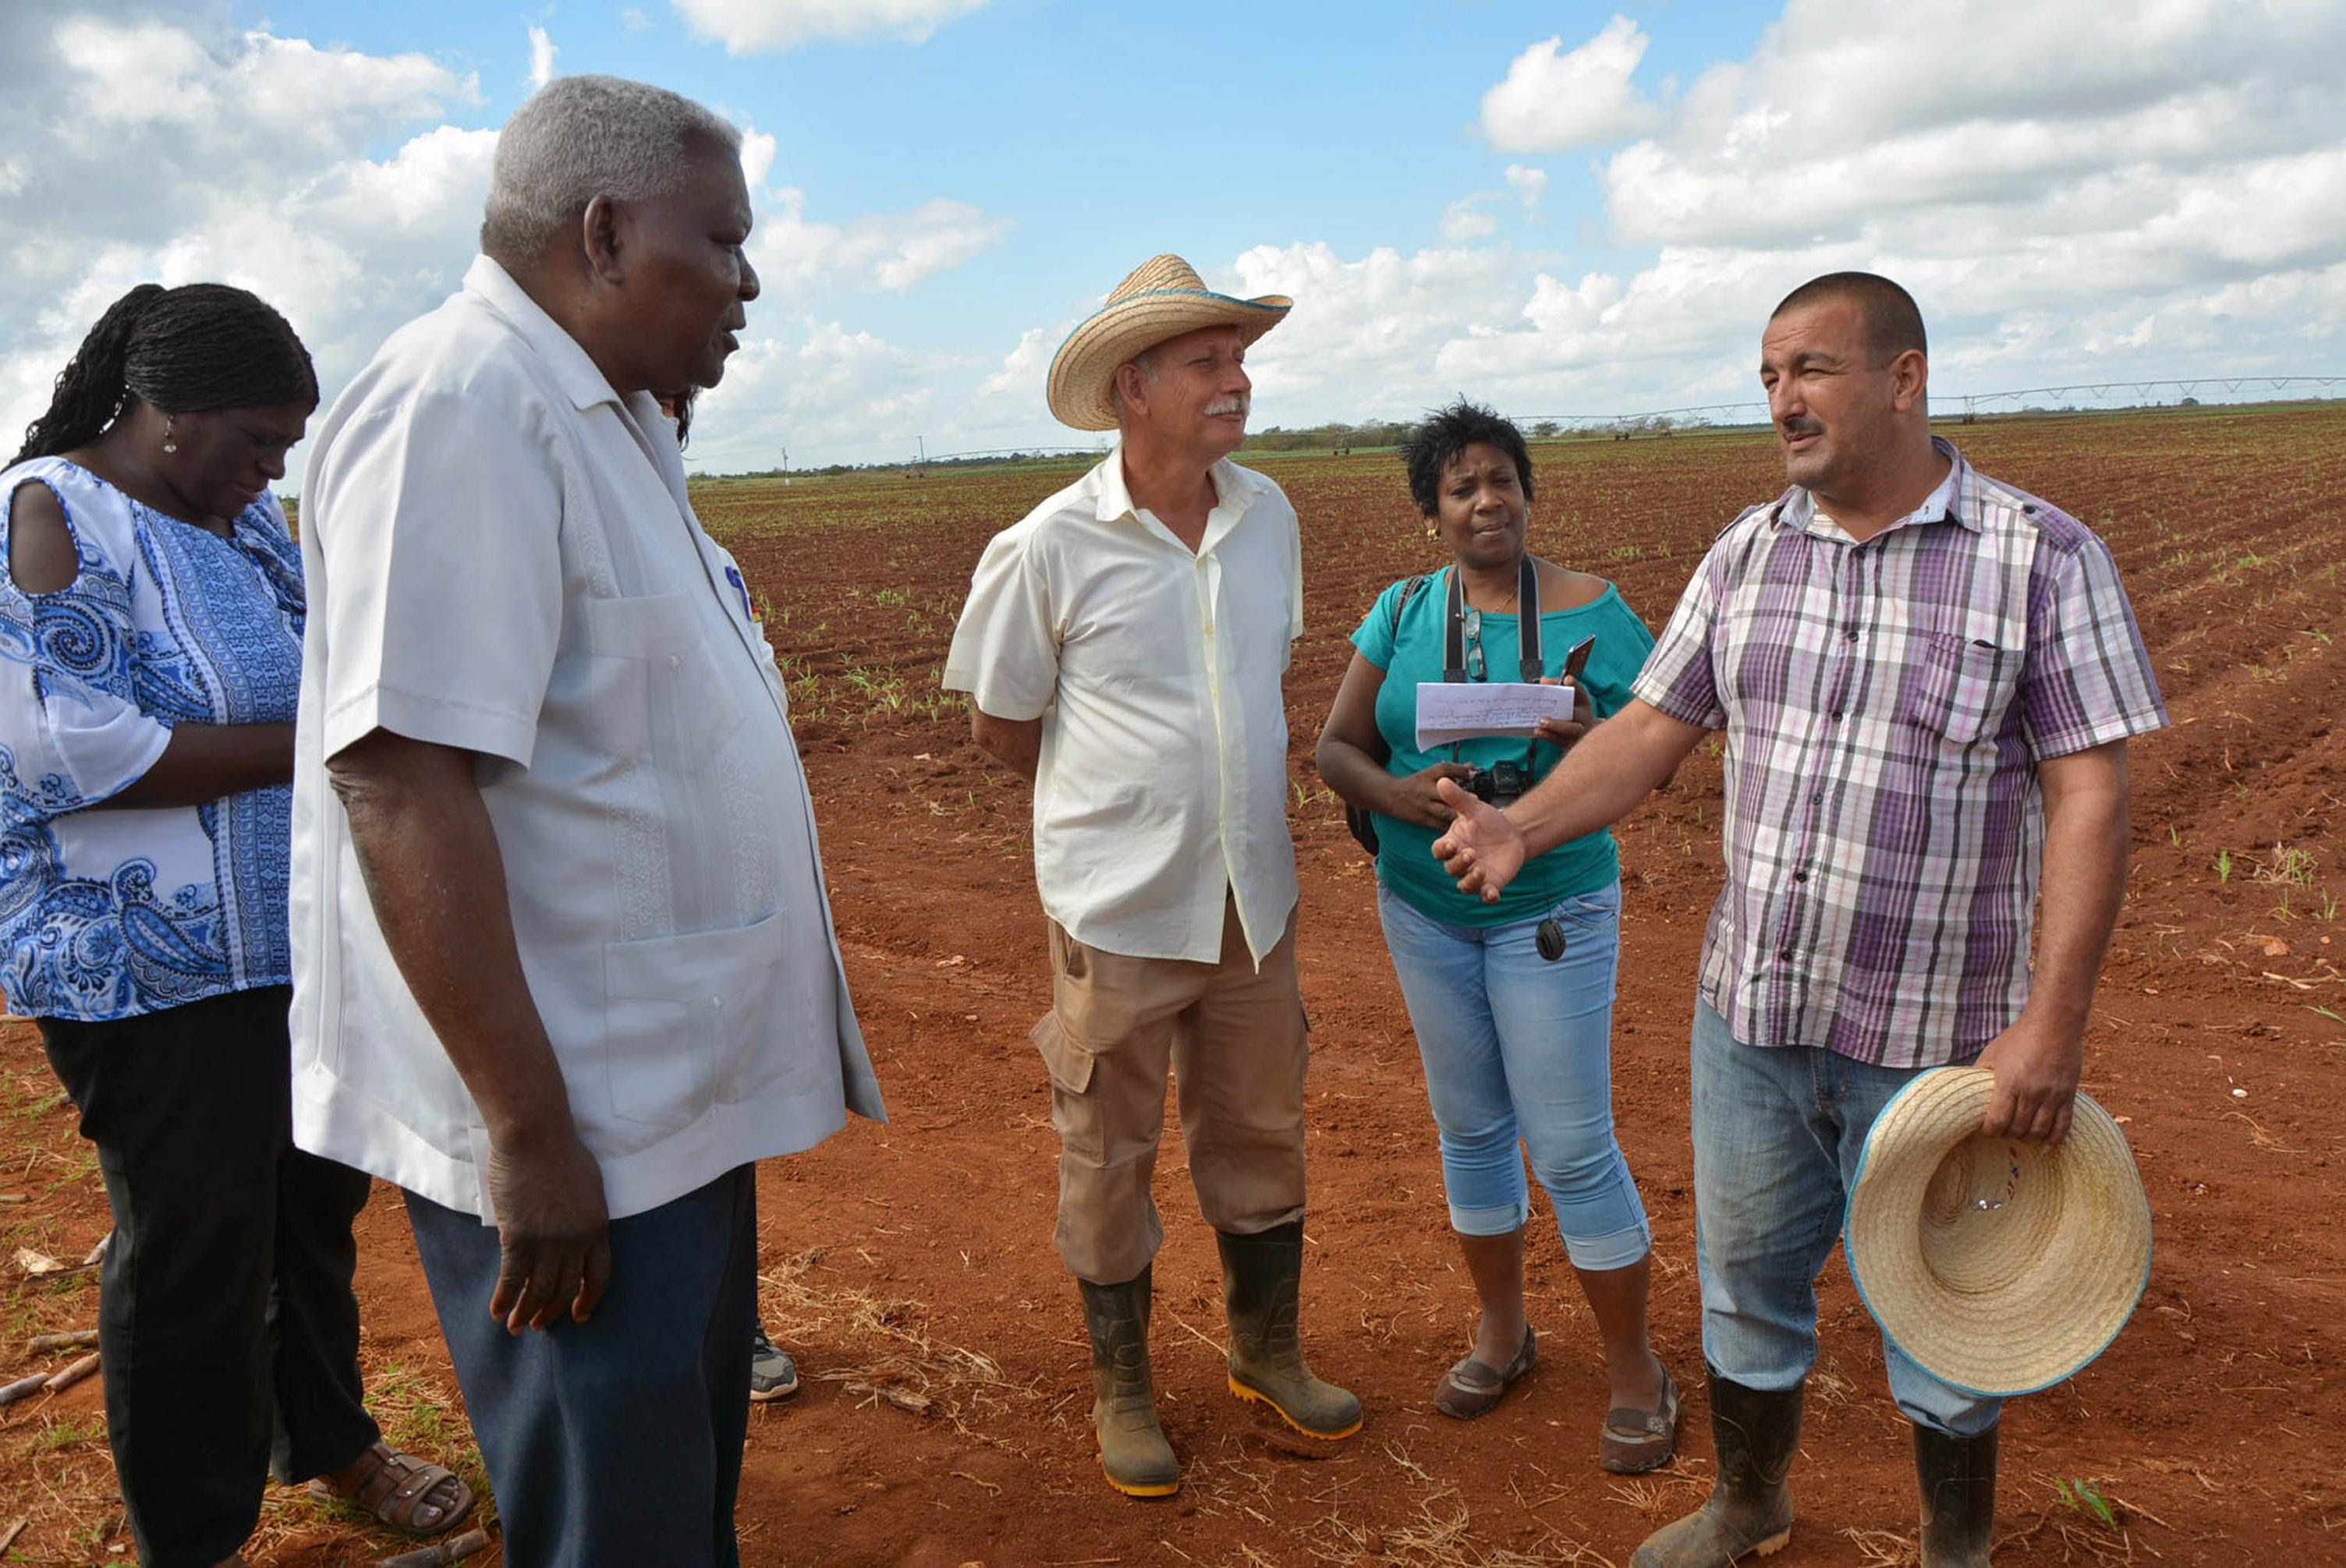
{"x":772,"y":1374}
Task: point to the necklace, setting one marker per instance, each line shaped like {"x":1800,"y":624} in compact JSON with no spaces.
{"x":1515,"y":591}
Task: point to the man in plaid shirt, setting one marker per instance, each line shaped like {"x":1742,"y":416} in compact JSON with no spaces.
{"x":1926,"y":679}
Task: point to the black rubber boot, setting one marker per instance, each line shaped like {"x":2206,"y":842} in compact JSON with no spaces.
{"x":1957,"y":1477}
{"x":1139,"y":1462}
{"x":1263,"y":1274}
{"x":1749,"y":1511}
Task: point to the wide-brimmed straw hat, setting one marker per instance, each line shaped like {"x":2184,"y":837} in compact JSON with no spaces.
{"x":1998,"y":1265}
{"x":1163,"y":298}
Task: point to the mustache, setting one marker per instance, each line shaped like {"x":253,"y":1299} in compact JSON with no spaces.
{"x":1801,"y":427}
{"x":1229,"y":406}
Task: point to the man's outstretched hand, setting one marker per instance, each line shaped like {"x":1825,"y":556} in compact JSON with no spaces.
{"x":1483,"y":848}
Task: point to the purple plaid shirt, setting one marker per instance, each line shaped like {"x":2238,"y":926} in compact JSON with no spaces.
{"x":1886,"y":705}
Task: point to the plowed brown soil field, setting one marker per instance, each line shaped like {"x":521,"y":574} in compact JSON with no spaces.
{"x":909,"y":1266}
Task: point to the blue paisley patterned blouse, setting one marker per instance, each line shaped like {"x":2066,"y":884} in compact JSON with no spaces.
{"x":111,"y":914}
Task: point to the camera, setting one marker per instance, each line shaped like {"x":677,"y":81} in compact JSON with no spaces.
{"x":1499,"y":783}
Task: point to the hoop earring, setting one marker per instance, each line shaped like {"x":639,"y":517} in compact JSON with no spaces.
{"x":168,"y":444}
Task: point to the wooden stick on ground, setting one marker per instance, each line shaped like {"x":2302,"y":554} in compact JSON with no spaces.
{"x":23,"y":1388}
{"x":8,"y":1537}
{"x":73,"y":1373}
{"x":435,"y":1553}
{"x":71,"y":1340}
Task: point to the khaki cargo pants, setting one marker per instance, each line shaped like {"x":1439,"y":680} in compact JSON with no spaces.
{"x":1234,"y":1039}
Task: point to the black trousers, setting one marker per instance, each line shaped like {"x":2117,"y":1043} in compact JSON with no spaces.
{"x":615,"y":1442}
{"x":227,"y":1331}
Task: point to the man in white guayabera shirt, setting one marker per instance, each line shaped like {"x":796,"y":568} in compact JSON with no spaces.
{"x":1124,"y":647}
{"x":562,"y":964}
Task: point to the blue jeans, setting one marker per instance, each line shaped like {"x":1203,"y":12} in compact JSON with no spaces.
{"x":1519,"y":1048}
{"x":1776,"y":1136}
{"x":618,"y":1439}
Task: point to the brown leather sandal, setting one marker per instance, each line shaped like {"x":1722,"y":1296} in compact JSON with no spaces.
{"x":411,"y":1495}
{"x":1634,"y":1441}
{"x":1473,"y":1388}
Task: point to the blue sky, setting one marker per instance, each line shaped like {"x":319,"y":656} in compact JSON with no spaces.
{"x":1559,"y":209}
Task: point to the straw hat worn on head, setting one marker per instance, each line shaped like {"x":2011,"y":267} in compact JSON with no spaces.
{"x":1997,"y":1265}
{"x":1163,"y":298}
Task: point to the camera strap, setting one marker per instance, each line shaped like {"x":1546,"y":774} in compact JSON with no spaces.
{"x":1530,"y":666}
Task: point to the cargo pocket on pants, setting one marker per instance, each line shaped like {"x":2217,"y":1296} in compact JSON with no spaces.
{"x":1074,"y":1108}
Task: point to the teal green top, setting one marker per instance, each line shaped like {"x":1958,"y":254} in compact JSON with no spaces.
{"x":1405,"y":862}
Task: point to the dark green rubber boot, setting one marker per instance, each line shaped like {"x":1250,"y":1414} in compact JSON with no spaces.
{"x":1139,"y":1462}
{"x":1957,"y":1477}
{"x":1750,"y":1512}
{"x":1263,"y":1274}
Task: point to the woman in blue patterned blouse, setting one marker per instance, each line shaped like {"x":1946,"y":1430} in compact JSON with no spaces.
{"x":150,"y":657}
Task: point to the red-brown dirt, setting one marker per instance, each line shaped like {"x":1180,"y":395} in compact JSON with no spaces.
{"x":909,"y":1266}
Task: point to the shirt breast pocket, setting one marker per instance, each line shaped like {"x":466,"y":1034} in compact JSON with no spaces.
{"x":1960,"y":688}
{"x":652,"y":689}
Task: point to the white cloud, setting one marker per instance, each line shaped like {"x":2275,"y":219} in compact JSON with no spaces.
{"x":261,"y":94}
{"x":2073,"y":196}
{"x":542,"y":50}
{"x":1847,"y":114}
{"x":1531,"y":184}
{"x":757,"y":151}
{"x":1026,"y":369}
{"x":1465,"y":219}
{"x":798,"y":258}
{"x":633,"y":19}
{"x":1365,"y":334}
{"x":157,"y":152}
{"x":826,"y":392}
{"x":335,"y":184}
{"x":771,"y":26}
{"x":1553,"y":100}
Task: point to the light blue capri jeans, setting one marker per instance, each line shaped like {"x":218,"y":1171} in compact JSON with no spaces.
{"x":1517,"y":1048}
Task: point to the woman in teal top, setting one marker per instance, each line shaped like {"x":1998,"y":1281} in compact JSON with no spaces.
{"x":1512,"y":1002}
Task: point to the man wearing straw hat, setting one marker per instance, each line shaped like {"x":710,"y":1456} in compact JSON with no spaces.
{"x":1926,"y":679}
{"x":1124,"y":646}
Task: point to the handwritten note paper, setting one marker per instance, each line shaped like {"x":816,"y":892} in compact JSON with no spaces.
{"x":1460,"y":710}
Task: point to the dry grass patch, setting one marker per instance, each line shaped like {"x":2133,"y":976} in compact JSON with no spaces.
{"x":882,"y":1350}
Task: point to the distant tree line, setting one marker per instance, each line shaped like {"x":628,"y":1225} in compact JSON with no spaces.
{"x":1327,"y":437}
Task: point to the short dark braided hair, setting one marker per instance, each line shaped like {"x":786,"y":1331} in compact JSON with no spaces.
{"x":183,"y":351}
{"x":1443,"y":437}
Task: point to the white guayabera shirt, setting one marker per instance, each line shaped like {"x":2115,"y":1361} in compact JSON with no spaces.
{"x":502,"y":557}
{"x":1156,"y":672}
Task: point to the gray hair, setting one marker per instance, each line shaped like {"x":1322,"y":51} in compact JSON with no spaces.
{"x":580,"y":138}
{"x":1149,"y":363}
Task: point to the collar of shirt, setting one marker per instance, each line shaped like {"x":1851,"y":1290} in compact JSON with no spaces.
{"x":573,"y":367}
{"x":1233,"y":494}
{"x":1955,"y":499}
{"x":575,"y":373}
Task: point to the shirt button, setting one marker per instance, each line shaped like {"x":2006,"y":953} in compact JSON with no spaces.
{"x":1210,"y":628}
{"x":1799,"y":876}
{"x":1785,"y":954}
{"x":1817,"y":799}
{"x":1836,"y":713}
{"x":1852,"y":634}
{"x":717,"y":1002}
{"x":673,"y":661}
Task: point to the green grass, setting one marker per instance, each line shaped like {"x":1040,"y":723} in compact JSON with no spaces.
{"x":2086,"y":1498}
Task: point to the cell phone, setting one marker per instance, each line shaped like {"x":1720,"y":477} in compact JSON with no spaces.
{"x":1577,"y":659}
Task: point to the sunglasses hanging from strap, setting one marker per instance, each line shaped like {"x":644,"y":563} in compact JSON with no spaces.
{"x":1527,"y":624}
